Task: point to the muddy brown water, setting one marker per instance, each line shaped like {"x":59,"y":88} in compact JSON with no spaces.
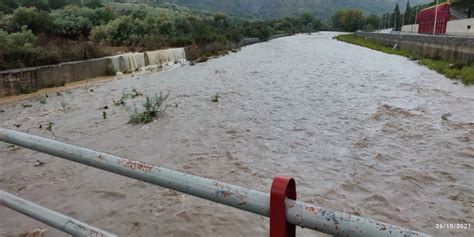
{"x":360,"y":131}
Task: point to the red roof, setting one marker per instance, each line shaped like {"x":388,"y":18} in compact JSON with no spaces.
{"x":439,"y":5}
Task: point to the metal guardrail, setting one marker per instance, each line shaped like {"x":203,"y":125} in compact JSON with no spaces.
{"x":297,"y":213}
{"x":52,"y":218}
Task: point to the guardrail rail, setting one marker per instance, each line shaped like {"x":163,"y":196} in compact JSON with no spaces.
{"x":296,"y":213}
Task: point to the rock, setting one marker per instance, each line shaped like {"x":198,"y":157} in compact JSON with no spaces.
{"x":446,"y":116}
{"x":39,"y":163}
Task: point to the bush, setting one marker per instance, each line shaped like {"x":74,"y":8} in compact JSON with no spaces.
{"x":153,"y":107}
{"x":259,"y":30}
{"x":372,"y":44}
{"x":7,"y":6}
{"x":442,"y":67}
{"x":467,"y":75}
{"x":122,"y":31}
{"x":36,"y":21}
{"x":154,"y":41}
{"x":24,"y":88}
{"x":39,"y":4}
{"x":110,"y":70}
{"x":348,"y":20}
{"x":74,"y":22}
{"x":17,"y":48}
{"x":193,"y":52}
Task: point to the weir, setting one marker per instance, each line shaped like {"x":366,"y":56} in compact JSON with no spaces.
{"x":26,"y":80}
{"x":126,"y":62}
{"x":132,"y":61}
{"x":167,"y":56}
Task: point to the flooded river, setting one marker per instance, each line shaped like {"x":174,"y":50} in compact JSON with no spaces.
{"x":362,"y":132}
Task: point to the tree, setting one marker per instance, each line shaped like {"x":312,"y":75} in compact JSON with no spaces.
{"x":348,"y":20}
{"x":396,"y":18}
{"x":407,"y":15}
{"x":466,"y":5}
{"x":371,"y":23}
{"x":166,"y":27}
{"x":182,"y":26}
{"x":36,"y":21}
{"x":259,"y":29}
{"x":139,"y":13}
{"x":8,"y":6}
{"x":93,"y":4}
{"x":121,"y":31}
{"x":221,"y":21}
{"x":286,"y":25}
{"x":203,"y":32}
{"x":16,"y":49}
{"x":38,"y":4}
{"x":309,"y":22}
{"x":57,"y":4}
{"x":74,"y":21}
{"x":16,"y":41}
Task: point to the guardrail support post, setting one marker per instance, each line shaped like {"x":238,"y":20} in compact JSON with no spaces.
{"x":283,"y":187}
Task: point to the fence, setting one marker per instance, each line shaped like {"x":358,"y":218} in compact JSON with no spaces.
{"x":52,"y":218}
{"x":295,"y":213}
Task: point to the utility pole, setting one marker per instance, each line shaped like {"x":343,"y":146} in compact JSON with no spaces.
{"x":403,"y":19}
{"x":436,"y":17}
{"x":383,"y":21}
{"x":416,"y":19}
{"x":388,"y":21}
{"x":380,"y":23}
{"x":394,"y":22}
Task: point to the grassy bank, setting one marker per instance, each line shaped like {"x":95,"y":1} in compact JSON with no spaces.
{"x":449,"y":69}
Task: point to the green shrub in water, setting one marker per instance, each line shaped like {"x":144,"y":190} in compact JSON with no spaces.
{"x":152,"y":108}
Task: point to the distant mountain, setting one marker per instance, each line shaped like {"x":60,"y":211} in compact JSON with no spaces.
{"x":281,"y":8}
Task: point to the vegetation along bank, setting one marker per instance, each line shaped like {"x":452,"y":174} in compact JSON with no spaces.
{"x":33,"y":33}
{"x":449,"y":69}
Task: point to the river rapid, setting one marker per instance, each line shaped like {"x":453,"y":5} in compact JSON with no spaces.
{"x":361,"y":131}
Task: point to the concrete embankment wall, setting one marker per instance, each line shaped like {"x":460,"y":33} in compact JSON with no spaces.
{"x":25,"y":80}
{"x":410,"y":28}
{"x":13,"y":82}
{"x":451,"y":48}
{"x":464,"y":27}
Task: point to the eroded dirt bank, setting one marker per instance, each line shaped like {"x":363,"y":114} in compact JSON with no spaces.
{"x":361,"y":131}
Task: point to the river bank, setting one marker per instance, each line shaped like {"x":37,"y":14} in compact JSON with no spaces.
{"x":452,"y":70}
{"x":364,"y":138}
{"x":30,"y":80}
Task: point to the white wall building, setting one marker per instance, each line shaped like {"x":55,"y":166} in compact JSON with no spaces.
{"x":464,"y":27}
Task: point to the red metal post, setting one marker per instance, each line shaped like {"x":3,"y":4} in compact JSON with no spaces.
{"x":282,"y":187}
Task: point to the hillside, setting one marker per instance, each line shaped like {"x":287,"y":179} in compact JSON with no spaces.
{"x":281,"y":8}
